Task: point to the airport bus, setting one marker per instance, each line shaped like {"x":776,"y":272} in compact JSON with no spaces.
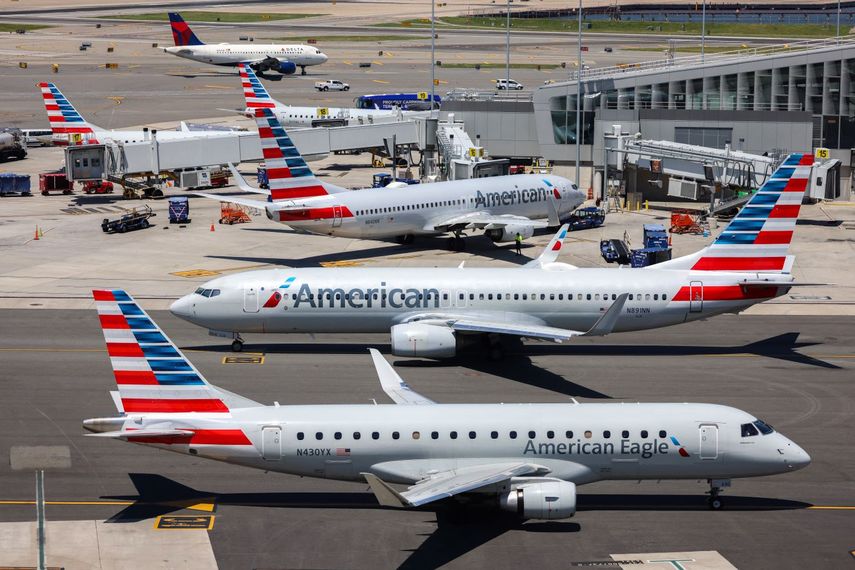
{"x":404,"y":101}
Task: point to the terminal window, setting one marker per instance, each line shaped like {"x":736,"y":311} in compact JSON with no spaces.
{"x":703,"y":136}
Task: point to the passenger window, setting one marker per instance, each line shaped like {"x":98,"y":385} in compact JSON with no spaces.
{"x":494,"y":435}
{"x":647,"y":297}
{"x":490,"y":296}
{"x":471,"y":296}
{"x":375,"y":435}
{"x":568,"y":434}
{"x":656,"y":296}
{"x":453,"y":435}
{"x":434,"y":435}
{"x":532,"y":435}
{"x":337,"y":435}
{"x":319,"y":436}
{"x":561,"y":296}
{"x":550,"y":434}
{"x":480,"y":296}
{"x":472,"y":435}
{"x":644,"y":434}
{"x":630,"y":296}
{"x":543,"y":297}
{"x":516,"y":296}
{"x":662,"y":434}
{"x":300,"y":435}
{"x":607,"y":434}
{"x":512,"y":434}
{"x":596,"y":296}
{"x":624,"y":434}
{"x":588,"y":434}
{"x":588,"y":296}
{"x":395,"y":435}
{"x":525,"y":296}
{"x":749,"y":430}
{"x":664,"y":297}
{"x":579,"y":297}
{"x":416,"y":435}
{"x":614,"y":296}
{"x":356,"y":435}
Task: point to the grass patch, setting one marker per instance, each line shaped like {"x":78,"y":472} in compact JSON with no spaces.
{"x":347,"y":39}
{"x":786,"y":31}
{"x":12,"y":27}
{"x":228,"y":17}
{"x":460,"y":65}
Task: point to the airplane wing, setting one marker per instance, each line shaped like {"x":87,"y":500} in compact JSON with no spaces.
{"x":482,"y":220}
{"x":483,"y":324}
{"x":393,"y":384}
{"x":448,"y":483}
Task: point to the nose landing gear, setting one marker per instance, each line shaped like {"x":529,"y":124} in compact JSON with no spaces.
{"x":716,"y":487}
{"x":237,"y":343}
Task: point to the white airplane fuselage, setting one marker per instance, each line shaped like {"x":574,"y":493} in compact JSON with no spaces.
{"x":391,"y":212}
{"x":369,"y":300}
{"x":232,"y":54}
{"x":291,"y":116}
{"x":580,"y":443}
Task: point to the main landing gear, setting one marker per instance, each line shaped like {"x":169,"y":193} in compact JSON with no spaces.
{"x":302,"y":70}
{"x":457,"y":243}
{"x":237,"y":343}
{"x":716,"y":487}
{"x":495,"y":349}
{"x":406,"y":239}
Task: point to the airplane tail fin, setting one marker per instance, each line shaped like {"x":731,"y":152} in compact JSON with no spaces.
{"x":758,"y":238}
{"x":254,"y":92}
{"x":551,"y":251}
{"x":152,"y":374}
{"x":181,"y":32}
{"x":64,"y":118}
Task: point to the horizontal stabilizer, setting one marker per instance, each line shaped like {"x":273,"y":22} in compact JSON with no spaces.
{"x":248,"y":202}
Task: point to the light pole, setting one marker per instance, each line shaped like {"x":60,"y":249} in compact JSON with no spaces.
{"x":432,"y":52}
{"x":703,"y":29}
{"x":838,"y":21}
{"x":508,"y":48}
{"x":579,"y":102}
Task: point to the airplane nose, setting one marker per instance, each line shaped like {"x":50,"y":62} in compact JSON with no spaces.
{"x":182,"y":308}
{"x":800,"y":458}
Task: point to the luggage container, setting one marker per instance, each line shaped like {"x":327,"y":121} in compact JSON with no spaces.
{"x":179,"y":210}
{"x":54,"y":182}
{"x":11,"y":183}
{"x":655,"y":236}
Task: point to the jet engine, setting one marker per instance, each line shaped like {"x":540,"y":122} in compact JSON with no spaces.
{"x":552,"y":499}
{"x":509,"y":233}
{"x":286,"y":67}
{"x":417,"y":339}
{"x":273,"y":64}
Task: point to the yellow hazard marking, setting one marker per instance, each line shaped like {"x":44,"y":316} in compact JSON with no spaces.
{"x":245,"y":358}
{"x":170,"y":522}
{"x":218,"y":87}
{"x":195,"y":273}
{"x":207,"y":507}
{"x":347,"y":62}
{"x":377,"y":63}
{"x":341,"y":263}
{"x":379,"y":81}
{"x":831,"y":508}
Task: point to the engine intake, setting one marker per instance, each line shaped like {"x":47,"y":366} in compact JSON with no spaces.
{"x":543,"y":500}
{"x":509,"y":233}
{"x":417,"y":339}
{"x":286,"y":67}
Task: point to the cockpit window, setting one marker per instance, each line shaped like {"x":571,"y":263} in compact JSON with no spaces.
{"x":199,"y":291}
{"x":764,"y":428}
{"x":208,"y":292}
{"x":749,"y":430}
{"x":215,"y":292}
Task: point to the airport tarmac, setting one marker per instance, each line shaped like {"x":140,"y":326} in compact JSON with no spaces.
{"x":794,"y":372}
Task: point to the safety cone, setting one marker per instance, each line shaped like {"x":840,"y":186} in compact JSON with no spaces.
{"x":669,"y":240}
{"x":36,"y":238}
{"x":212,"y":227}
{"x":41,"y":233}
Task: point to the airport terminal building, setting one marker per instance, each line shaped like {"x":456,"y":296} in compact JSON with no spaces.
{"x":781,"y":98}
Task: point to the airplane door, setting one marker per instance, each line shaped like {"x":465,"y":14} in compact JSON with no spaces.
{"x":460,"y":298}
{"x":696,"y":297}
{"x":271,"y":443}
{"x":250,"y":300}
{"x":709,"y":441}
{"x":336,"y":222}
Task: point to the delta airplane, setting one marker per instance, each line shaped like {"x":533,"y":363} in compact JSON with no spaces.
{"x":431,"y":312}
{"x":526,"y":458}
{"x":502,"y":206}
{"x":69,"y":126}
{"x":282,"y":58}
{"x":256,"y":97}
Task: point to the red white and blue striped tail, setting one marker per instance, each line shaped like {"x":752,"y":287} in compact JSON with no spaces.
{"x":152,"y":374}
{"x":64,"y":118}
{"x":758,"y":238}
{"x":254,"y":92}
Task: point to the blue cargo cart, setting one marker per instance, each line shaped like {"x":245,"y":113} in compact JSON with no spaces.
{"x":11,"y":183}
{"x":179,"y":210}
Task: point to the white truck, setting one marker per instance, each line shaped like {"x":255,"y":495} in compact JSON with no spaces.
{"x":331,"y":85}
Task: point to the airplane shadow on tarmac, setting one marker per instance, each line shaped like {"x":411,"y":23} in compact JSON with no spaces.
{"x":460,"y":528}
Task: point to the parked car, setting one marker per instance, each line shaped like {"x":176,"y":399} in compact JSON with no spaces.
{"x":607,"y":49}
{"x":508,"y":84}
{"x":332,"y":85}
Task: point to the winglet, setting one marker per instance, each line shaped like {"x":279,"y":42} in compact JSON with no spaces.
{"x":386,"y":495}
{"x":607,"y":322}
{"x":551,"y":251}
{"x":243,"y":184}
{"x":393,"y":384}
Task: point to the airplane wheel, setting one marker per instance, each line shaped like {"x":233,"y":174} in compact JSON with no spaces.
{"x":237,"y":346}
{"x":715,"y":504}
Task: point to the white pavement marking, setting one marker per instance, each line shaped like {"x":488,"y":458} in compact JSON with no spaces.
{"x":701,"y":560}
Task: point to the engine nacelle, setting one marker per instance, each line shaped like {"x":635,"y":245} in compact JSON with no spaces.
{"x":546,"y":500}
{"x":509,"y":233}
{"x":286,"y":67}
{"x":417,"y":339}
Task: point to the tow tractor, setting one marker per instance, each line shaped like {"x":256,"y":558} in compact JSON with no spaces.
{"x":586,"y":218}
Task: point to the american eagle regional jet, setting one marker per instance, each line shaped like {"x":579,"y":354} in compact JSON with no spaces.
{"x":432,"y":312}
{"x":526,"y":458}
{"x":501,"y":206}
{"x":282,"y":58}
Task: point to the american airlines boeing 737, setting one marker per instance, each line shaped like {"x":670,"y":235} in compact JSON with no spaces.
{"x":526,"y":458}
{"x":431,"y":312}
{"x":502,"y":206}
{"x":282,"y":58}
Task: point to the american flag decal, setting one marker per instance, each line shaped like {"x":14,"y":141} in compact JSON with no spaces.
{"x":342,"y":452}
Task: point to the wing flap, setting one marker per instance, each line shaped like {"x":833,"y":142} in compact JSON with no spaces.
{"x":526,"y":330}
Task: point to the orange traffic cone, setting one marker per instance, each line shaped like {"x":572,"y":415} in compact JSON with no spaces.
{"x":212,"y":227}
{"x":669,"y":240}
{"x":37,"y":234}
